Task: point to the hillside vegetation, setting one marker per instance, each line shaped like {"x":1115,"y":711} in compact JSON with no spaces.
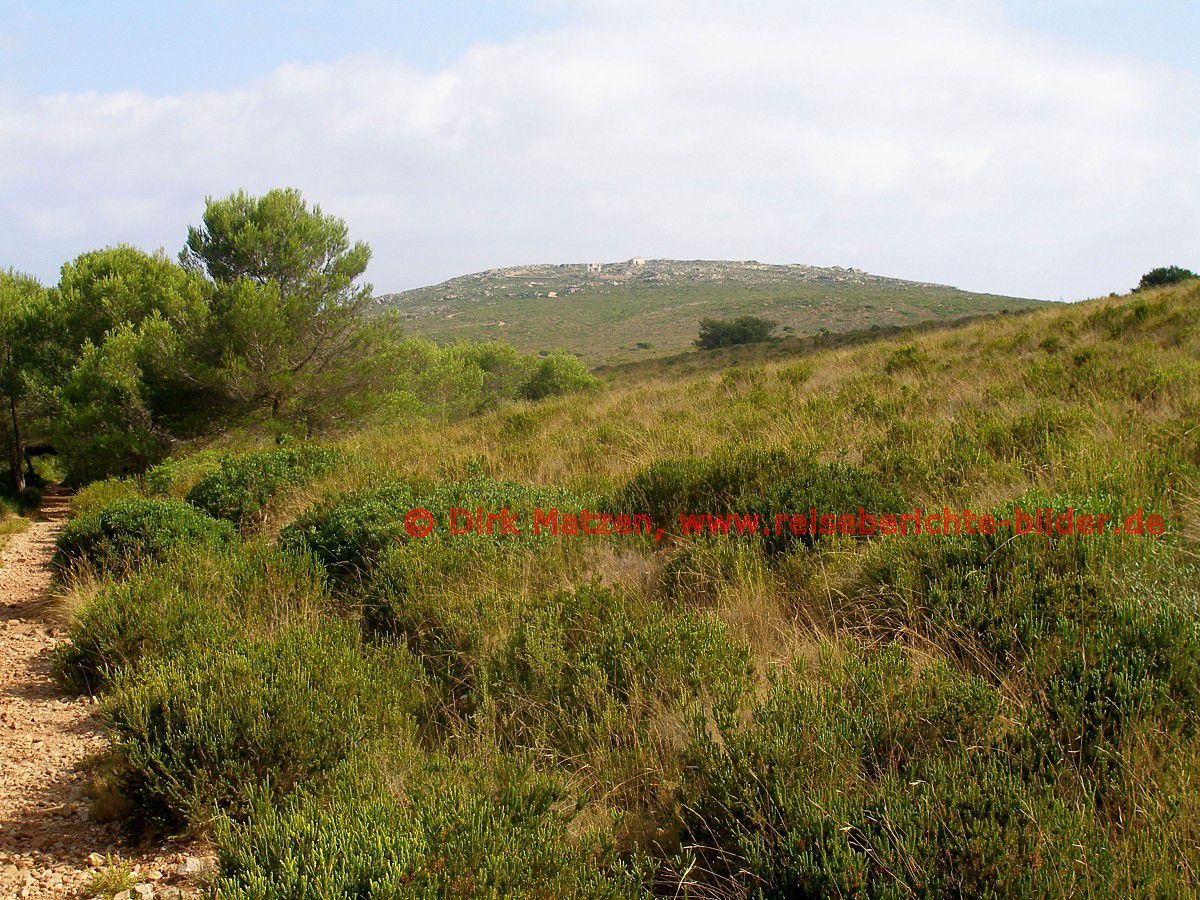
{"x":622,"y":311}
{"x":260,"y":329}
{"x":350,"y":710}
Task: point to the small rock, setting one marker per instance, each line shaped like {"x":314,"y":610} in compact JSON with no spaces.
{"x":191,"y":866}
{"x":144,"y":890}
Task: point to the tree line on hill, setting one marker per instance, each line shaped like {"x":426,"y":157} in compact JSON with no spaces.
{"x":262,"y":322}
{"x":1164,"y":276}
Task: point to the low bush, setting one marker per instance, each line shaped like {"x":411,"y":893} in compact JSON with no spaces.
{"x":419,"y":587}
{"x":719,"y":483}
{"x":1099,"y":627}
{"x":189,"y":601}
{"x":755,"y":482}
{"x":874,"y":777}
{"x":558,"y":373}
{"x":125,"y":534}
{"x":206,"y":729}
{"x":129,"y":621}
{"x":597,"y":681}
{"x":350,"y":533}
{"x":588,"y":670}
{"x":716,"y":333}
{"x":240,"y":488}
{"x":99,"y":494}
{"x":175,"y":477}
{"x":444,"y":830}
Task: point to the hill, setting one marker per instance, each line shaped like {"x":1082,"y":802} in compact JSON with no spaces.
{"x":622,"y":311}
{"x":982,"y":704}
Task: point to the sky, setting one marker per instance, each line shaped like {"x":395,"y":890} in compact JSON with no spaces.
{"x":1025,"y":147}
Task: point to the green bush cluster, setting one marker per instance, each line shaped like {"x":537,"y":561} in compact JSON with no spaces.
{"x":123,"y":535}
{"x":240,"y":487}
{"x":201,"y":730}
{"x":191,"y":600}
{"x":349,"y":533}
{"x":716,"y":333}
{"x":447,"y":830}
{"x":876,"y":777}
{"x":940,"y":716}
{"x":1090,"y":623}
{"x":763,"y":483}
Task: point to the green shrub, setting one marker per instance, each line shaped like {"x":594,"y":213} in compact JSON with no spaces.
{"x":350,"y":533}
{"x":447,"y":831}
{"x":175,"y":477}
{"x":123,"y":535}
{"x":832,"y":489}
{"x":558,"y":373}
{"x":1165,"y":276}
{"x":875,"y":778}
{"x":240,"y":488}
{"x":411,"y":593}
{"x":208,"y":728}
{"x":130,"y":620}
{"x":187,"y":602}
{"x":719,"y":483}
{"x":716,"y":333}
{"x":1100,"y":627}
{"x":99,"y":494}
{"x":589,"y":669}
{"x":907,"y":357}
{"x":755,"y":482}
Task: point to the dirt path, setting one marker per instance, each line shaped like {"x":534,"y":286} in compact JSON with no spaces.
{"x":49,"y":844}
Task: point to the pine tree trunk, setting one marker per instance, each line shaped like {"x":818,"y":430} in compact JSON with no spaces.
{"x":17,"y":454}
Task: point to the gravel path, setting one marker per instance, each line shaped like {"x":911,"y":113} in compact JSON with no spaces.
{"x":49,"y":844}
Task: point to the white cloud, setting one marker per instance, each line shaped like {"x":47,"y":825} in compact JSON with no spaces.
{"x":933,"y":142}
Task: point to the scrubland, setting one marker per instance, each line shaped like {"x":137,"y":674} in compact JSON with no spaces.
{"x":346,"y":710}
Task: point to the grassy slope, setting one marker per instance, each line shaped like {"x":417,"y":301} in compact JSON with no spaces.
{"x":845,"y":405}
{"x":1031,"y":728}
{"x":604,"y":323}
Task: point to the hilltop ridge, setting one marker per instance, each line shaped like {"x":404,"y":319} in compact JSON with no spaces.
{"x":637,"y":307}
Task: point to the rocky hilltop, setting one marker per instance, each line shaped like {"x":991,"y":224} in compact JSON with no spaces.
{"x":549,"y":280}
{"x":635,"y":308}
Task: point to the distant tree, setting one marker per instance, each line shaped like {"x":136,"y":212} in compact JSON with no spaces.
{"x":23,"y":334}
{"x":1165,"y":275}
{"x":716,"y":333}
{"x":289,"y":329}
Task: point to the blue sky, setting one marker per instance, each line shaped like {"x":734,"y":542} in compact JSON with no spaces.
{"x":164,"y":47}
{"x":1037,"y":148}
{"x":167,"y":47}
